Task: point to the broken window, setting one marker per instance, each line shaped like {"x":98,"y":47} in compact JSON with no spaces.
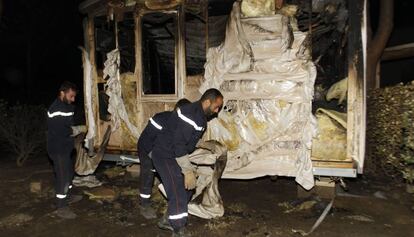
{"x":159,"y":36}
{"x":195,"y":42}
{"x":197,"y":32}
{"x":126,"y":42}
{"x":104,"y":40}
{"x":103,"y":102}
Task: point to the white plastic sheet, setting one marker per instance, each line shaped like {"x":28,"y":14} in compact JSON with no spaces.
{"x":267,"y":122}
{"x":116,"y":105}
{"x":87,"y":71}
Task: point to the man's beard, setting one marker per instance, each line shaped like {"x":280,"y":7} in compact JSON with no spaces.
{"x":210,"y":114}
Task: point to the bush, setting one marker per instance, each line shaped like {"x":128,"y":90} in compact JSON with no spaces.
{"x":23,"y":130}
{"x":390,"y":132}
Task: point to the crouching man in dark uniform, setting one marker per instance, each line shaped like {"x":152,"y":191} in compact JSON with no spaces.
{"x":145,"y":144}
{"x":170,"y":156}
{"x":60,"y":143}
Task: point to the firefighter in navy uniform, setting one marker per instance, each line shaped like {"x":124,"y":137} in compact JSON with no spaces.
{"x":60,"y":143}
{"x":170,"y":156}
{"x":145,"y":144}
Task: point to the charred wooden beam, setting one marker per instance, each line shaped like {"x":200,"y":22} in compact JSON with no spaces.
{"x":398,"y":52}
{"x":356,"y":109}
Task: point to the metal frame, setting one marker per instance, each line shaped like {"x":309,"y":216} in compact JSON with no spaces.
{"x":334,"y":172}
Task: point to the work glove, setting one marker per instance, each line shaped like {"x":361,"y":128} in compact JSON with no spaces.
{"x":76,"y":130}
{"x":188,"y":170}
{"x":190,"y":180}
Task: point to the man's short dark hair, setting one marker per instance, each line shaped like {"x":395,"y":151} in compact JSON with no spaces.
{"x":67,"y":85}
{"x":211,"y":94}
{"x":181,"y":102}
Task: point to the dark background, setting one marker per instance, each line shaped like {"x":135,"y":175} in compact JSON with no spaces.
{"x":39,"y":47}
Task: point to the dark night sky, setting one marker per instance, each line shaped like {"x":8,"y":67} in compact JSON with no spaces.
{"x":39,"y":40}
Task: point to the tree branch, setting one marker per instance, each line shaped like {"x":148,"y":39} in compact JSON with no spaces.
{"x":378,"y":42}
{"x":385,"y":26}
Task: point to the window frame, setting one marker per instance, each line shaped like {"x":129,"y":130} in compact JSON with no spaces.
{"x":179,"y":59}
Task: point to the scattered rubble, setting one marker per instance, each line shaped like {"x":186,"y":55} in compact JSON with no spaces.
{"x":380,"y":195}
{"x":128,"y":191}
{"x":89,"y":181}
{"x":409,"y":188}
{"x":15,"y":220}
{"x":115,"y":171}
{"x":36,"y":187}
{"x":290,"y":207}
{"x":362,"y":218}
{"x":102,"y":194}
{"x":133,"y":170}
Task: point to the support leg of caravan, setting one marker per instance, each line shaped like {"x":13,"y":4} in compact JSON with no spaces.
{"x":324,"y":187}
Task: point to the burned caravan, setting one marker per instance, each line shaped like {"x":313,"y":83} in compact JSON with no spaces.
{"x":272,"y":60}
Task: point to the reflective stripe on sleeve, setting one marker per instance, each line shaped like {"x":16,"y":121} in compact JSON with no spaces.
{"x":189,"y":121}
{"x":155,"y":124}
{"x":59,"y":113}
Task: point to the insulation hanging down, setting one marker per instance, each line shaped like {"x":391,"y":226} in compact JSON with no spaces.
{"x":267,"y":122}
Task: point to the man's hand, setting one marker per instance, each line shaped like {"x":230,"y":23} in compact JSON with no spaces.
{"x":188,"y":170}
{"x":190,"y":180}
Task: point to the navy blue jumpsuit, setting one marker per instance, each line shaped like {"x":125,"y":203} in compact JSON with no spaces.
{"x":179,"y":137}
{"x":145,"y":145}
{"x":59,"y":147}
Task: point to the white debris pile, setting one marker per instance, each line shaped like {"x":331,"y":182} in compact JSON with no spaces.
{"x":267,"y":79}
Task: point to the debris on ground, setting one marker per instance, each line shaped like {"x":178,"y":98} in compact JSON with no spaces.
{"x":89,"y":181}
{"x":318,"y":221}
{"x":221,"y":223}
{"x":134,"y":170}
{"x":114,"y":172}
{"x":36,"y":187}
{"x":362,"y":218}
{"x":380,"y":195}
{"x":215,"y":224}
{"x":128,"y":191}
{"x":292,"y":207}
{"x":258,"y":230}
{"x":237,"y":207}
{"x":15,"y":220}
{"x":102,"y":194}
{"x":409,"y":188}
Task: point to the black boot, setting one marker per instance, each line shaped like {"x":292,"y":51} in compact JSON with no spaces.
{"x":74,"y":199}
{"x":147,"y":211}
{"x":164,"y":224}
{"x":182,"y":232}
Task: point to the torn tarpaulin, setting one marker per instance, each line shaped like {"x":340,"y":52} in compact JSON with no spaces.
{"x":267,"y":122}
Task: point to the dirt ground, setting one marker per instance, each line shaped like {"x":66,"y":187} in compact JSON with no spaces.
{"x":259,"y":207}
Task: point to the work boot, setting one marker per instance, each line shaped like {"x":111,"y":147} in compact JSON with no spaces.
{"x":182,"y":232}
{"x":147,"y":211}
{"x":74,"y":198}
{"x":164,"y":224}
{"x":65,"y":213}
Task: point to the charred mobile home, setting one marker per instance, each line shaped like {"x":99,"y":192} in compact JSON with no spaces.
{"x":292,"y":73}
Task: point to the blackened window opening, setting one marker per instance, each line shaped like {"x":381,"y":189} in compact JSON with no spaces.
{"x":159,"y":31}
{"x":126,"y":42}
